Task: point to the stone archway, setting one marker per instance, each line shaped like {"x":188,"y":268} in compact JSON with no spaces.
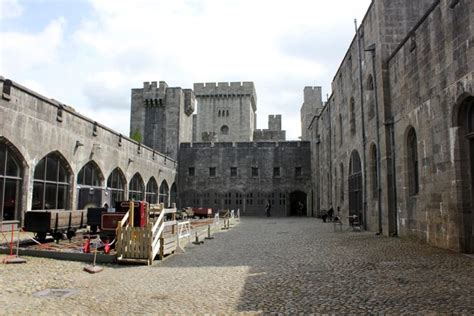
{"x":298,"y":205}
{"x":466,"y":149}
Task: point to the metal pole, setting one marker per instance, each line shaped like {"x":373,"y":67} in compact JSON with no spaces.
{"x":364,"y":213}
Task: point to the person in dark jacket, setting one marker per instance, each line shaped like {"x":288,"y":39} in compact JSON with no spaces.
{"x":268,"y":208}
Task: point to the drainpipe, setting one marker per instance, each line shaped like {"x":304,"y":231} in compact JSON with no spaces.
{"x":364,"y":140}
{"x":371,"y":49}
{"x":330,"y":152}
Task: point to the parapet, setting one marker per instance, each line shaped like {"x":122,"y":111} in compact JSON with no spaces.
{"x":274,"y":122}
{"x":230,"y":89}
{"x":312,"y":95}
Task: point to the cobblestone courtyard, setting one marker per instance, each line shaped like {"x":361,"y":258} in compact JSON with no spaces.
{"x":262,"y":265}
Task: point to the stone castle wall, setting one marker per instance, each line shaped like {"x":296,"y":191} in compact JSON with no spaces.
{"x":252,"y":182}
{"x":423,"y":65}
{"x":34,"y":126}
{"x":430,"y":75}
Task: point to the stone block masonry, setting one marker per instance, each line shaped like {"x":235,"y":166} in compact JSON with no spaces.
{"x":225,"y":111}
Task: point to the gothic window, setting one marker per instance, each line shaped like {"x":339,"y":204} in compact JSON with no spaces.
{"x":352,"y":116}
{"x":227,"y":113}
{"x":374,"y":170}
{"x":173,"y":194}
{"x":136,"y":188}
{"x":219,"y":113}
{"x":412,"y":161}
{"x":51,"y":184}
{"x":10,"y":184}
{"x":225,"y":130}
{"x":116,"y":185}
{"x":89,"y":175}
{"x":164,"y":192}
{"x":152,"y":191}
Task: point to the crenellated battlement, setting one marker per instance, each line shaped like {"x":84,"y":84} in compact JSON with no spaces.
{"x":304,"y":144}
{"x":216,"y":89}
{"x":312,"y":95}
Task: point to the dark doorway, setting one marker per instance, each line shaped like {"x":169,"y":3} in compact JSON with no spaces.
{"x":466,"y":121}
{"x":355,"y":186}
{"x":298,"y":203}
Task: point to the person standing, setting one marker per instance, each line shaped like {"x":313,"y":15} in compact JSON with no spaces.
{"x":268,"y":208}
{"x":300,"y":208}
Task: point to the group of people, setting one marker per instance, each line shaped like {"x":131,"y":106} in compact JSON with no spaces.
{"x":329,"y":216}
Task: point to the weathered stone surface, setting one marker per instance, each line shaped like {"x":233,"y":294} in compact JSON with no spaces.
{"x":254,"y":268}
{"x":29,"y":125}
{"x":254,"y":181}
{"x":418,"y":73}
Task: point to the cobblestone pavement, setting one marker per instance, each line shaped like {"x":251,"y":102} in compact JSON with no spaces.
{"x":284,"y":265}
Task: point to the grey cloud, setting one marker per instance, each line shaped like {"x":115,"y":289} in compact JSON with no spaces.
{"x":107,"y":98}
{"x":325,"y":45}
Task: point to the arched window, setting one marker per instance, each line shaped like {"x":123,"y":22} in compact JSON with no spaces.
{"x":89,"y":175}
{"x":51,"y":183}
{"x":174,"y":193}
{"x":355,"y":185}
{"x":219,"y":113}
{"x":89,"y":180}
{"x":116,"y":185}
{"x":412,"y":162}
{"x":10,"y":183}
{"x":225,"y":130}
{"x":152,"y":191}
{"x":227,"y":113}
{"x":136,"y":188}
{"x":370,"y":82}
{"x":164,"y":191}
{"x":374,"y":170}
{"x":352,"y":120}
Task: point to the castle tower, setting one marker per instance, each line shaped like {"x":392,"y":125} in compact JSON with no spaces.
{"x":312,"y":103}
{"x":274,"y":131}
{"x":161,"y":117}
{"x":226,"y":111}
{"x":274,"y":122}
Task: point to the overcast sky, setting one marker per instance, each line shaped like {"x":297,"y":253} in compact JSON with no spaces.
{"x":89,"y":53}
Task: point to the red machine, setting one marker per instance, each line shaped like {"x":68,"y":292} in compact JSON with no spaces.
{"x":139,"y":217}
{"x":202,"y":211}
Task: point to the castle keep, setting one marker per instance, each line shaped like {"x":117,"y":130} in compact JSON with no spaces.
{"x":226,"y":111}
{"x":229,"y":163}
